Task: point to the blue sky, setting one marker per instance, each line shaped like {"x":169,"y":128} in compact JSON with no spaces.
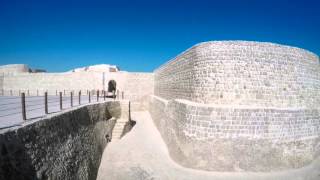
{"x":60,"y":35}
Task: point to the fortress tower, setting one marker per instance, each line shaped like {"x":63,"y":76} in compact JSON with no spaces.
{"x":237,"y":105}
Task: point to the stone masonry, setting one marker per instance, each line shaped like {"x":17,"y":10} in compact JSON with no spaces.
{"x":236,"y":105}
{"x":219,"y":106}
{"x":136,"y":86}
{"x":67,"y":145}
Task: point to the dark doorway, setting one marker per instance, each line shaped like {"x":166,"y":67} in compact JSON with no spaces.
{"x":112,"y":86}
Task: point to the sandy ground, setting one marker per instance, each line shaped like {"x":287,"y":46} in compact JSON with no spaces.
{"x":141,"y":154}
{"x":10,"y":107}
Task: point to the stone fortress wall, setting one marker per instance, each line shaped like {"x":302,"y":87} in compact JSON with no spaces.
{"x":66,"y":145}
{"x":13,"y":69}
{"x":136,"y":86}
{"x":220,"y":106}
{"x":242,"y":73}
{"x":236,"y":105}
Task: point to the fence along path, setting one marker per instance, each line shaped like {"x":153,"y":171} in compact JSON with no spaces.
{"x":14,"y":110}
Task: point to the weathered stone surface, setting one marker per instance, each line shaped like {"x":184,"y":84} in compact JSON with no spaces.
{"x":136,"y":86}
{"x":242,"y":73}
{"x":66,"y":146}
{"x":237,"y":105}
{"x":235,"y":139}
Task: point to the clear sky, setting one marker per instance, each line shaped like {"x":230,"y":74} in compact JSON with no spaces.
{"x":59,"y":35}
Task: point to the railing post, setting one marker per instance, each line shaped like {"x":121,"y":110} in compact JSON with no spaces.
{"x":23,"y":105}
{"x":114,"y":95}
{"x":122,"y":94}
{"x":89,"y":97}
{"x":56,"y":92}
{"x":10,"y":92}
{"x":79,"y":97}
{"x":104,"y":95}
{"x":28,"y":92}
{"x":71,"y":99}
{"x":64,"y":92}
{"x":37,"y":92}
{"x":97,"y":95}
{"x":46,"y":102}
{"x":60,"y":99}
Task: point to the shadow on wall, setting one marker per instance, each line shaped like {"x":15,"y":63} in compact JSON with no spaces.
{"x":15,"y":163}
{"x":66,"y":146}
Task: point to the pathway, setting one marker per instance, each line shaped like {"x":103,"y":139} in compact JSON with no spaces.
{"x":142,"y":155}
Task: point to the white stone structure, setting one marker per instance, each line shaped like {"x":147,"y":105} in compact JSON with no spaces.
{"x":13,"y":69}
{"x":219,"y":106}
{"x":135,"y":86}
{"x":98,"y":68}
{"x":237,"y":105}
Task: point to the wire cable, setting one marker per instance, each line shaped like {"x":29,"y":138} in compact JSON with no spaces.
{"x":9,"y":103}
{"x":32,"y":105}
{"x":53,"y":101}
{"x":28,"y":110}
{"x":10,"y":114}
{"x":8,"y":109}
{"x":6,"y":98}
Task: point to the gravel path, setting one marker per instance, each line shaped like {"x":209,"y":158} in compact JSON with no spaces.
{"x":142,"y":154}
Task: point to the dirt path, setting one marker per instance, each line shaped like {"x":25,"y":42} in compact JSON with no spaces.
{"x":142,"y":154}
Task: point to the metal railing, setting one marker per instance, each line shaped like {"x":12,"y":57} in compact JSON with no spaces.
{"x":26,"y":102}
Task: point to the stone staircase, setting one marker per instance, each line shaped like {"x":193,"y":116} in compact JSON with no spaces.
{"x":118,"y":128}
{"x":122,"y":117}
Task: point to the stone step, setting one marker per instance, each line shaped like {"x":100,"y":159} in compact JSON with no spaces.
{"x":118,"y":121}
{"x":117,"y":132}
{"x":116,"y":137}
{"x":123,"y":120}
{"x":119,"y":125}
{"x":118,"y":128}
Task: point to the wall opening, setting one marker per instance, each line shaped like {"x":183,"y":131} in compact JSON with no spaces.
{"x":112,"y":86}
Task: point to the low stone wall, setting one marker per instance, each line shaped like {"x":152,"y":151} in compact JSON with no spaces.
{"x":65,"y":146}
{"x":222,"y":138}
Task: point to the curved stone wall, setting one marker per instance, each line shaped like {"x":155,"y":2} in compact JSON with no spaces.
{"x":220,"y":138}
{"x":242,"y":73}
{"x":239,"y":106}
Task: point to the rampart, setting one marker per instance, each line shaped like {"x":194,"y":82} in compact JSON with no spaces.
{"x":136,"y":86}
{"x":236,"y":105}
